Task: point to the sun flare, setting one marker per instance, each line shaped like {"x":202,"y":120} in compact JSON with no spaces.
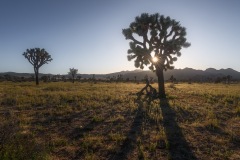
{"x":155,"y":59}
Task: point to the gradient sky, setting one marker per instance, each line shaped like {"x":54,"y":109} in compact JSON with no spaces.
{"x":87,"y":34}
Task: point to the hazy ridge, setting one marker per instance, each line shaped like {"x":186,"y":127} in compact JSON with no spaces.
{"x":179,"y":74}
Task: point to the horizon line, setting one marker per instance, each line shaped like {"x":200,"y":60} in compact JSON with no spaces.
{"x":123,"y":71}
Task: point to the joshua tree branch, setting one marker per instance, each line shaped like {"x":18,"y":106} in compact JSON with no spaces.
{"x":136,"y":41}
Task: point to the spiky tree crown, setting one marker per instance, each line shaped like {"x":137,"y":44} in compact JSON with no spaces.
{"x":162,"y":37}
{"x":72,"y":71}
{"x":37,"y":57}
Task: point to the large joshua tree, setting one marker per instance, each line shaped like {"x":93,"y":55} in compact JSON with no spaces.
{"x":37,"y":57}
{"x":156,"y":42}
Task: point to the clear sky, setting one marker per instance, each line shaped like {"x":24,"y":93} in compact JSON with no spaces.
{"x":87,"y":34}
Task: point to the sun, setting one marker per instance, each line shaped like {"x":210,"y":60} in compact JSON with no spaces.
{"x":155,"y":59}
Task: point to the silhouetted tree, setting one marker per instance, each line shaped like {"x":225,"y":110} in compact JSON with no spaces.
{"x":73,"y":73}
{"x":162,"y":39}
{"x":135,"y":78}
{"x":37,"y":57}
{"x":172,"y":79}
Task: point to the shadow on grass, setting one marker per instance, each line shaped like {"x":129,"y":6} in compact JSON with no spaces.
{"x":81,"y":131}
{"x":177,"y":144}
{"x":130,"y":142}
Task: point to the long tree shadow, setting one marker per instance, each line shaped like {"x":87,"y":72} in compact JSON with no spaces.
{"x":177,"y":144}
{"x":130,"y":142}
{"x":79,"y":132}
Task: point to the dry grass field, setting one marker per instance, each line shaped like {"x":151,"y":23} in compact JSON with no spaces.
{"x":88,"y":121}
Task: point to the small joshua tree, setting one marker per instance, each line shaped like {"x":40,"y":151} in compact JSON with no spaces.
{"x":135,"y":78}
{"x":156,"y":41}
{"x":73,"y":73}
{"x":37,"y":57}
{"x":172,"y":79}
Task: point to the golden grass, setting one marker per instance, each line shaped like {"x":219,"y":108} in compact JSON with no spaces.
{"x":62,"y":120}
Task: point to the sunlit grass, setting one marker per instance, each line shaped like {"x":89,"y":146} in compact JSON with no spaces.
{"x":93,"y":121}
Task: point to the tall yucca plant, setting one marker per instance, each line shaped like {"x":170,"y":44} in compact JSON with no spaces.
{"x":37,"y":57}
{"x":155,"y":41}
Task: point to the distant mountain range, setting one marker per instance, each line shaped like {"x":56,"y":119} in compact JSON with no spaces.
{"x":179,"y":74}
{"x":183,"y":74}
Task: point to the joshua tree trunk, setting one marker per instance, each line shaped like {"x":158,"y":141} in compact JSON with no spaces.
{"x":161,"y":88}
{"x":73,"y":80}
{"x":36,"y":76}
